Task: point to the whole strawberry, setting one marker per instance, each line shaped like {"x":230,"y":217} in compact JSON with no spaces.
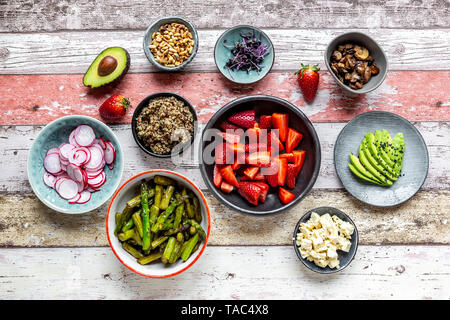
{"x":115,"y":107}
{"x":308,"y":79}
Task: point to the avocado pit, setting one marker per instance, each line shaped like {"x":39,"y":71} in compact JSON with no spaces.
{"x":106,"y":66}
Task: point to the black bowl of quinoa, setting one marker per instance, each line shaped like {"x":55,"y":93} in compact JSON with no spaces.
{"x":164,"y":124}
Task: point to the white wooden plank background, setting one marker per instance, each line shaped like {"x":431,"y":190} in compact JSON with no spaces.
{"x":260,"y":273}
{"x":71,"y":52}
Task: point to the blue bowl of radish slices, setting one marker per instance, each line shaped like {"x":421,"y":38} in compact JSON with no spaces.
{"x":75,"y":164}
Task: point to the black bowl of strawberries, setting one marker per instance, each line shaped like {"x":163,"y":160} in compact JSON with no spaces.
{"x":260,"y":155}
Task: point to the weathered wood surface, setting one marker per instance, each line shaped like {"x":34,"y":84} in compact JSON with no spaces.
{"x":72,"y":52}
{"x":39,"y":99}
{"x":15,"y":141}
{"x":386,"y":272}
{"x":425,"y":219}
{"x":50,"y":15}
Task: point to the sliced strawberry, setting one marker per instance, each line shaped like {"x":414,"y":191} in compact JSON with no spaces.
{"x":223,"y":155}
{"x":272,"y":170}
{"x":229,"y":176}
{"x":265,"y":122}
{"x":225,"y":126}
{"x":251,"y":172}
{"x":226,"y":187}
{"x":285,"y":196}
{"x":260,"y":159}
{"x":255,"y":147}
{"x":236,"y":165}
{"x":230,"y":137}
{"x":292,"y":172}
{"x":293,"y":139}
{"x":282,"y":171}
{"x":299,"y":158}
{"x":236,"y":147}
{"x":244,"y":119}
{"x":258,"y":177}
{"x":264,"y":190}
{"x":217,"y":177}
{"x":273,"y":141}
{"x":288,"y":156}
{"x":280,"y":121}
{"x":254,"y":134}
{"x":249,"y":191}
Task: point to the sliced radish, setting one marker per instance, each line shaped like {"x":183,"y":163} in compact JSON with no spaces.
{"x":65,"y":151}
{"x":58,"y":182}
{"x":96,"y":159}
{"x":52,"y":164}
{"x":67,"y":189}
{"x":92,"y":175}
{"x":75,"y":199}
{"x":72,"y":140}
{"x":49,"y":179}
{"x":84,"y":135}
{"x":98,"y":180}
{"x":102,"y":143}
{"x":80,"y":156}
{"x":75,"y":173}
{"x":110,"y":153}
{"x":85,"y":196}
{"x":52,"y":150}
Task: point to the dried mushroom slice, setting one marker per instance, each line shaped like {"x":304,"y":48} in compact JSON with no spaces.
{"x":374,"y":69}
{"x":362,"y":53}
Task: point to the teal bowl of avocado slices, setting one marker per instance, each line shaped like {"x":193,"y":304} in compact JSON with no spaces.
{"x":381,"y":159}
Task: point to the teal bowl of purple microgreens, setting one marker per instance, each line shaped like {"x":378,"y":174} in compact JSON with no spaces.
{"x":244,"y":54}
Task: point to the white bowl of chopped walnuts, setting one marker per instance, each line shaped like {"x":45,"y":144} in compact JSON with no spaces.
{"x":170,"y":43}
{"x":325,"y":240}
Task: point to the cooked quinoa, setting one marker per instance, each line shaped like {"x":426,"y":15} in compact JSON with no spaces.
{"x":164,"y":123}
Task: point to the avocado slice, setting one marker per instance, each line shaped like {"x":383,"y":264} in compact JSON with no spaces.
{"x":375,"y":159}
{"x":398,"y":150}
{"x":363,"y":158}
{"x":383,"y":143}
{"x":358,"y":169}
{"x":361,"y":176}
{"x":108,"y":68}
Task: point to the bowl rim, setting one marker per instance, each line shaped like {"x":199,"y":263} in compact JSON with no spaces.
{"x":317,"y":146}
{"x":138,"y":110}
{"x":161,"y":20}
{"x":297,"y":251}
{"x":119,"y":148}
{"x":414,"y":129}
{"x":364,"y":35}
{"x":256,"y":29}
{"x":207,"y":212}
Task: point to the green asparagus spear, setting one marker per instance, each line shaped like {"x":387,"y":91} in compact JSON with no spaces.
{"x":180,"y":237}
{"x":136,"y":217}
{"x":192,"y":230}
{"x":198,"y":227}
{"x":197,"y":210}
{"x":162,"y":217}
{"x":128,"y":225}
{"x":150,"y":258}
{"x":168,"y":250}
{"x":151,"y":192}
{"x":178,"y":215}
{"x":175,"y":253}
{"x":145,"y":218}
{"x":190,"y":246}
{"x":154,"y":213}
{"x":158,"y":242}
{"x":189,"y":209}
{"x":127,"y":212}
{"x":137,"y":237}
{"x":158,"y":194}
{"x":124,"y":236}
{"x":131,"y":250}
{"x":164,"y":181}
{"x":165,"y":200}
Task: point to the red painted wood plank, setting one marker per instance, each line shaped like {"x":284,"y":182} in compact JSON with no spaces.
{"x":39,"y":99}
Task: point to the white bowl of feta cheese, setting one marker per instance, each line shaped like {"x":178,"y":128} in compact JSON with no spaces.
{"x":325,"y":240}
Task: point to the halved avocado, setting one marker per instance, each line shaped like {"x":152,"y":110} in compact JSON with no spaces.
{"x":108,"y":68}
